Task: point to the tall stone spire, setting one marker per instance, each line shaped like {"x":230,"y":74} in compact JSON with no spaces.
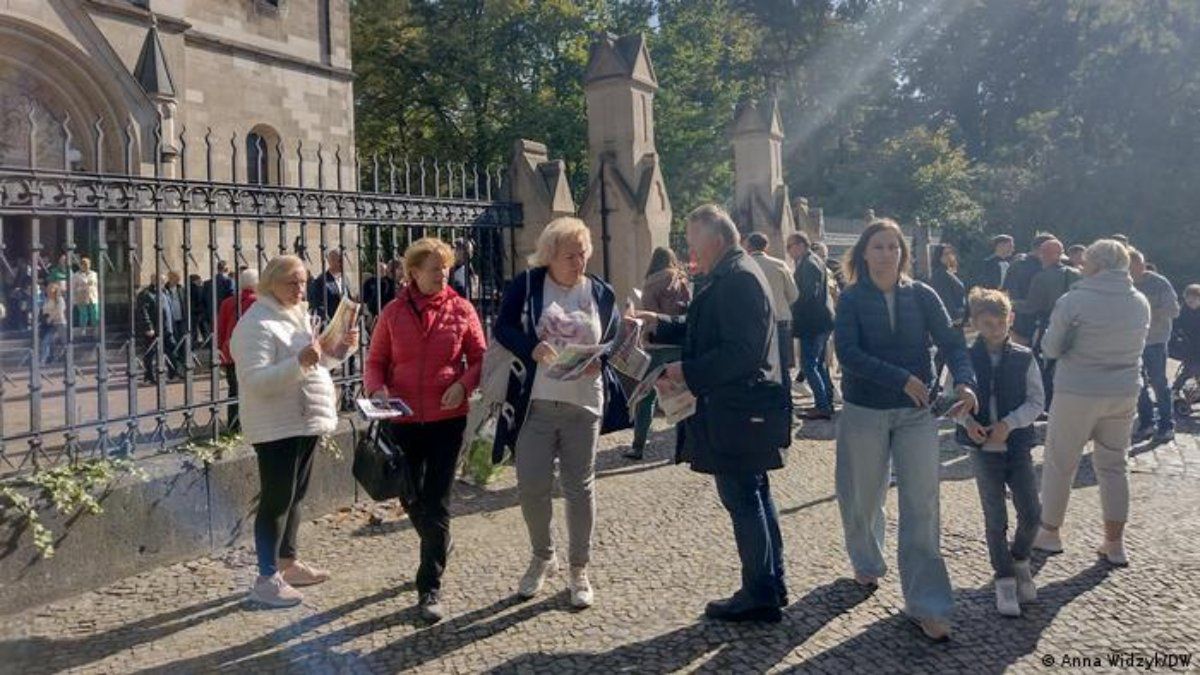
{"x":761,"y":202}
{"x":626,"y":199}
{"x":151,"y":70}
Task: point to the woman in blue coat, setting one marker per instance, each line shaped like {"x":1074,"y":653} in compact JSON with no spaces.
{"x":885,"y":323}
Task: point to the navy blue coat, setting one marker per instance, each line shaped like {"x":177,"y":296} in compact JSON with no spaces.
{"x":877,"y":360}
{"x":727,"y":337}
{"x":521,"y":339}
{"x":324,"y":296}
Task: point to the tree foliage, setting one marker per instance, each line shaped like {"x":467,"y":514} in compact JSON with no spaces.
{"x":978,"y":116}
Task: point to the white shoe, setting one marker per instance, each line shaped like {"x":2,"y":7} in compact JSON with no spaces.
{"x":535,"y":577}
{"x":1026,"y":589}
{"x":1114,"y":552}
{"x":1006,"y":597}
{"x":581,"y":589}
{"x":1048,"y":541}
{"x":273,"y":591}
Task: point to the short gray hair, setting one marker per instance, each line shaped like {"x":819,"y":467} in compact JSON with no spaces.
{"x":248,"y":279}
{"x":1107,"y":254}
{"x":716,"y":221}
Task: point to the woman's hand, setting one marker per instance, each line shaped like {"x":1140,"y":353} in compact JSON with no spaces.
{"x":454,"y":396}
{"x":592,"y":370}
{"x":310,"y":355}
{"x":544,"y":353}
{"x":350,"y":341}
{"x":917,"y":391}
{"x":967,"y":404}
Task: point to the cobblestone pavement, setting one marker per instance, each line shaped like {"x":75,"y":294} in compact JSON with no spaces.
{"x":663,"y":547}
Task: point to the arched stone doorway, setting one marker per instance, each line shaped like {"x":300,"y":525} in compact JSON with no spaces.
{"x":52,"y":96}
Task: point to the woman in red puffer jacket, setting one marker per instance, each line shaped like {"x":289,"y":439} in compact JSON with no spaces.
{"x":428,"y":350}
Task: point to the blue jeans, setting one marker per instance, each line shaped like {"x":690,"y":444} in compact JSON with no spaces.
{"x":1154,"y":376}
{"x":747,"y":498}
{"x":816,"y":373}
{"x":994,"y":471}
{"x":866,"y":440}
{"x":50,"y":343}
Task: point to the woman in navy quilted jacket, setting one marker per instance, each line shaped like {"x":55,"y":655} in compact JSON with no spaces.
{"x":885,"y":323}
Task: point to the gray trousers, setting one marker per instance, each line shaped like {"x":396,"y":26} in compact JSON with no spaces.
{"x":569,"y":433}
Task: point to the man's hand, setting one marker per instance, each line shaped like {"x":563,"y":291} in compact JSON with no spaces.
{"x":454,"y":396}
{"x":674,"y":373}
{"x":649,"y":319}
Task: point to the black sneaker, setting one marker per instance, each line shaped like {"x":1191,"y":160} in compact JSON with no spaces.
{"x":736,"y":609}
{"x":430,"y":605}
{"x":634,"y":454}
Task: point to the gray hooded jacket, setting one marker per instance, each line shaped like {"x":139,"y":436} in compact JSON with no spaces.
{"x":1097,"y":332}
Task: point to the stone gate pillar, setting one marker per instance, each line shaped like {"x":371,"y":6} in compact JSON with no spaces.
{"x":761,"y":202}
{"x":541,"y":187}
{"x":626,"y":205}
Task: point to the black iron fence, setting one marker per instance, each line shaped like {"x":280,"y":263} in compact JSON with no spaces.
{"x":111,"y":281}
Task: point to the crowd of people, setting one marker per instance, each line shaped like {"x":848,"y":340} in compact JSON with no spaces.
{"x":1079,"y":339}
{"x":1078,"y":336}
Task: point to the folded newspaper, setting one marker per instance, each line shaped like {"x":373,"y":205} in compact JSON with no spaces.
{"x":382,"y":408}
{"x":675,"y":400}
{"x":627,"y":354}
{"x":573,"y":360}
{"x":344,"y":319}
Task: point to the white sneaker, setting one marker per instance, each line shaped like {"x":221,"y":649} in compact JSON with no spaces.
{"x":1026,"y":589}
{"x":535,"y":577}
{"x":1006,"y":597}
{"x":1048,"y":541}
{"x":273,"y":591}
{"x":581,"y":589}
{"x":1114,"y":552}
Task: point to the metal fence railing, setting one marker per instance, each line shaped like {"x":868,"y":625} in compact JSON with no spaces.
{"x":111,"y":281}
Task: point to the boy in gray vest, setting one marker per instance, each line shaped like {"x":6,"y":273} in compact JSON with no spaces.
{"x":1001,"y":437}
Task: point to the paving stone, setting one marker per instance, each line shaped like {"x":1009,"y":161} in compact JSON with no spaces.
{"x":663,"y":547}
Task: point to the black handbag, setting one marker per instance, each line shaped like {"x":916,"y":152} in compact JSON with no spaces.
{"x":381,"y":468}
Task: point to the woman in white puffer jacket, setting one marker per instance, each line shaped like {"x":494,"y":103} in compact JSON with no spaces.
{"x":287,"y":402}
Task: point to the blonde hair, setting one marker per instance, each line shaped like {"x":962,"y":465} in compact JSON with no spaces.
{"x":415,"y":254}
{"x":989,"y":301}
{"x":276,"y":270}
{"x":557,"y":232}
{"x":1107,"y":254}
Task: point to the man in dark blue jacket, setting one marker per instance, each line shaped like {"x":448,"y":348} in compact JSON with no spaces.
{"x":325,"y":292}
{"x":742,"y":422}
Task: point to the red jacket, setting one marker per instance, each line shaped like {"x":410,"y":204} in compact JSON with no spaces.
{"x":227,"y":318}
{"x":421,"y":346}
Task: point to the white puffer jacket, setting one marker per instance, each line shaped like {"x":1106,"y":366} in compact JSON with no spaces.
{"x":279,"y":398}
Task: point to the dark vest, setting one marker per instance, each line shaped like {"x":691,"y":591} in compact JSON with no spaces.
{"x":1006,"y":381}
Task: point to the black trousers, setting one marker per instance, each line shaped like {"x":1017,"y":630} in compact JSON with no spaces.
{"x":284,"y":467}
{"x":233,"y":422}
{"x":432,"y":450}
